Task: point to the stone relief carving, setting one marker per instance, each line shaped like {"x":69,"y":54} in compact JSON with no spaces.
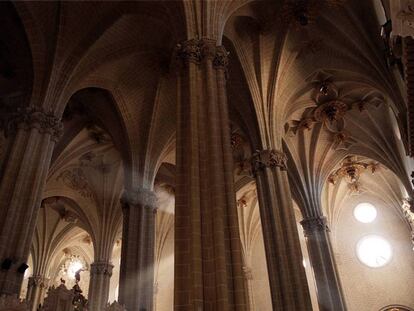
{"x":351,"y":170}
{"x":76,"y":180}
{"x":330,"y":109}
{"x":34,"y":117}
{"x":195,"y":50}
{"x":268,"y":158}
{"x":140,"y":198}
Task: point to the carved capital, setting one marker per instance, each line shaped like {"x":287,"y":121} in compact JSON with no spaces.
{"x":313,"y":224}
{"x":268,"y":158}
{"x":38,"y":281}
{"x":247,"y":273}
{"x":102,"y":268}
{"x":140,"y":198}
{"x":34,"y":117}
{"x":196,"y":50}
{"x":221,"y":58}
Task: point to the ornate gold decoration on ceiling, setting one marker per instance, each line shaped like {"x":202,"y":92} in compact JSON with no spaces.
{"x":330,"y":110}
{"x":351,"y":170}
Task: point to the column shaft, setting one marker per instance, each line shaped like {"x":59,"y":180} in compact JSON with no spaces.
{"x":100,"y":278}
{"x":208,"y":264}
{"x":36,"y":291}
{"x":137,"y":254}
{"x":287,"y":278}
{"x":21,"y":186}
{"x":329,"y":291}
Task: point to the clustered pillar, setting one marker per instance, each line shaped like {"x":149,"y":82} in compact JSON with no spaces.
{"x":100,"y":277}
{"x":34,"y":133}
{"x":137,"y":254}
{"x":321,"y":257}
{"x":287,"y":278}
{"x":36,"y":290}
{"x":208,"y":260}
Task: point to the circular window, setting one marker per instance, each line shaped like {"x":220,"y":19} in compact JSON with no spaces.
{"x":374,"y":251}
{"x":365,"y":212}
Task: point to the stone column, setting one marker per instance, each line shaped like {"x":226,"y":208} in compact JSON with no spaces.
{"x":36,"y":291}
{"x":208,"y":260}
{"x":248,"y":276}
{"x":100,"y":277}
{"x":287,"y":278}
{"x":137,"y":254}
{"x":329,"y":291}
{"x":34,"y":133}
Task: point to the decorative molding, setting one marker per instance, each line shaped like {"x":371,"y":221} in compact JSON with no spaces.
{"x":32,"y":117}
{"x":351,"y":170}
{"x":268,"y":158}
{"x":38,"y":281}
{"x":101,"y":268}
{"x":330,"y":111}
{"x":313,"y":224}
{"x":196,"y":50}
{"x":140,"y":198}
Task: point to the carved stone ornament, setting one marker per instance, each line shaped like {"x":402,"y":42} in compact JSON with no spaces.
{"x":34,"y":117}
{"x":38,"y":281}
{"x":268,"y":158}
{"x":76,"y":180}
{"x":102,"y":268}
{"x":196,"y":50}
{"x":140,"y":198}
{"x":12,"y":303}
{"x":351,"y":170}
{"x":313,"y":224}
{"x":115,"y":306}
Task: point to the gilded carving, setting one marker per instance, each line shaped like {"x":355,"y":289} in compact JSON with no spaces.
{"x":351,"y":170}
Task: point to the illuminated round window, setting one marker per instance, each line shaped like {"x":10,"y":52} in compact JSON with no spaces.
{"x":374,"y":251}
{"x":365,"y":212}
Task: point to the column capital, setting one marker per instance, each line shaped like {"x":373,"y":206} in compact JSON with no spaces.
{"x":140,"y":198}
{"x":247,"y":273}
{"x":102,"y":268}
{"x":268,"y":158}
{"x":313,"y":224}
{"x":196,"y":50}
{"x":34,"y":117}
{"x":38,"y":281}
